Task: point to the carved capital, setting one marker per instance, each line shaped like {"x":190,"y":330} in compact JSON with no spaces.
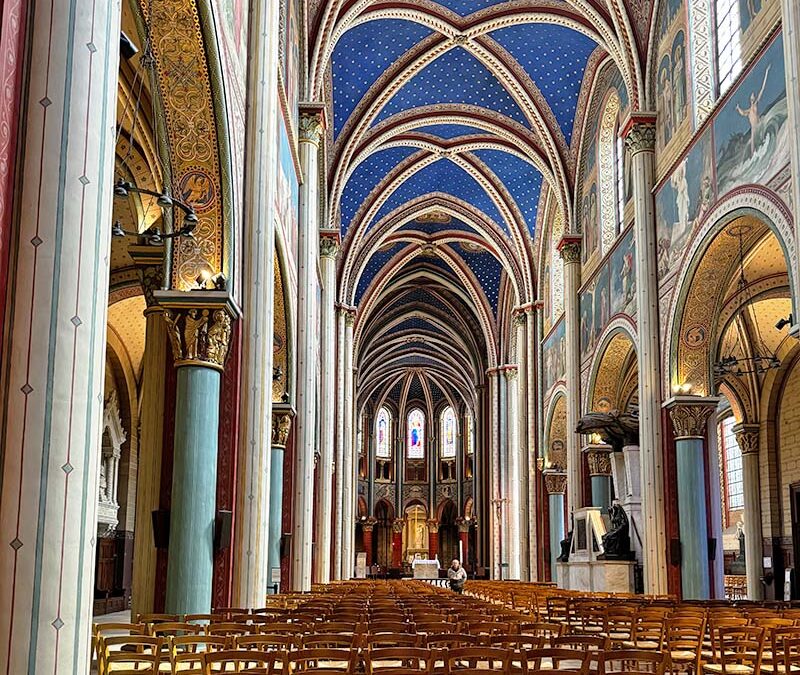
{"x":281,"y":426}
{"x":570,"y":249}
{"x":349,"y":317}
{"x":599,"y":460}
{"x":520,"y":318}
{"x":555,"y":482}
{"x":199,"y":325}
{"x":149,"y":262}
{"x":310,"y":127}
{"x":397,"y":526}
{"x":463,"y":524}
{"x":328,"y":247}
{"x":690,"y":416}
{"x":433,"y":526}
{"x":369,"y":524}
{"x":510,"y":373}
{"x":747,"y":438}
{"x":641,"y":136}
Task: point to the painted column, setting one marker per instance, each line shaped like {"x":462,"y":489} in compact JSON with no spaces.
{"x":55,"y":336}
{"x":254,"y":463}
{"x":689,"y":416}
{"x":747,"y":437}
{"x":348,"y":469}
{"x":570,"y":249}
{"x":599,"y":457}
{"x":310,"y":135}
{"x":149,"y":261}
{"x":339,"y":467}
{"x":791,"y":57}
{"x":640,"y":135}
{"x":199,"y":328}
{"x":397,"y":543}
{"x":282,"y":415}
{"x":495,"y":503}
{"x":524,"y":392}
{"x":371,"y":467}
{"x":478,"y":470}
{"x":433,"y":538}
{"x":368,"y":528}
{"x":555,"y":483}
{"x":463,"y":537}
{"x":535,"y":435}
{"x":513,"y":504}
{"x":328,"y":250}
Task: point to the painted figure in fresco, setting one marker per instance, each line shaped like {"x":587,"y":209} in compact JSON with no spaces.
{"x":627,"y":276}
{"x":678,"y":81}
{"x":706,"y":196}
{"x":681,"y":186}
{"x":752,"y":115}
{"x":665,"y":91}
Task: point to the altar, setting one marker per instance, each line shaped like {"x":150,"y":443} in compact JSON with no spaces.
{"x":425,"y":569}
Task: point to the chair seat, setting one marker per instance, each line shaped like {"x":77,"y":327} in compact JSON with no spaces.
{"x":778,"y":668}
{"x":641,"y":644}
{"x":730,"y":669}
{"x":682,"y":656}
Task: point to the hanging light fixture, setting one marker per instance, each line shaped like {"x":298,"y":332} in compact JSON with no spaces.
{"x":761,"y":359}
{"x":168,"y":203}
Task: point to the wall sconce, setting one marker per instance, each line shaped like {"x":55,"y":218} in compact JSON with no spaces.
{"x":206,"y":281}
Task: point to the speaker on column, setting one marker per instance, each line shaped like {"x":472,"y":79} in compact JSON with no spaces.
{"x":161,"y":528}
{"x":222,"y":530}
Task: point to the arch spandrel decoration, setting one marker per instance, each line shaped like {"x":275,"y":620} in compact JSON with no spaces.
{"x":185,"y":85}
{"x":613,"y":369}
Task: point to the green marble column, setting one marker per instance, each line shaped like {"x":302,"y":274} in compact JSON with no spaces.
{"x":199,"y":327}
{"x":689,"y":416}
{"x":599,"y":460}
{"x":556,"y":485}
{"x":281,"y":426}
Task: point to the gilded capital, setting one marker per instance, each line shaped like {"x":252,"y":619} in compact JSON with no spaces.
{"x":310,"y":127}
{"x":433,"y":526}
{"x":463,"y":524}
{"x":747,"y":438}
{"x":641,"y":136}
{"x":520,"y":318}
{"x":599,"y":460}
{"x":510,"y":373}
{"x":349,"y":317}
{"x":281,"y":426}
{"x":570,"y":249}
{"x":369,"y":524}
{"x":328,"y":247}
{"x":397,"y":526}
{"x":555,"y":482}
{"x":690,"y":418}
{"x":199,"y":326}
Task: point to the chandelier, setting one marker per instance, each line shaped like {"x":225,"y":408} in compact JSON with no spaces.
{"x":171,"y":207}
{"x":760,"y":359}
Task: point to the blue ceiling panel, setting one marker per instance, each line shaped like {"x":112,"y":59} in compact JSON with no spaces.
{"x":488,"y":271}
{"x":442,"y":176}
{"x":449,"y":131}
{"x":467,"y":7}
{"x":555,"y":58}
{"x":430,"y":228}
{"x":362,"y":55}
{"x":375,"y":264}
{"x":366,"y":176}
{"x":415,"y":391}
{"x":416,"y":324}
{"x":521,"y":179}
{"x":455,"y":77}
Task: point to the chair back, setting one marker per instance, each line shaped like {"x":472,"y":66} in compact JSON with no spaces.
{"x":634,"y":662}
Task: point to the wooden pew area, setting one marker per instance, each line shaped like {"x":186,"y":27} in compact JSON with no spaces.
{"x":397,"y":627}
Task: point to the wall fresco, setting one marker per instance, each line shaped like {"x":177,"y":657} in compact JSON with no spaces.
{"x":554,"y":357}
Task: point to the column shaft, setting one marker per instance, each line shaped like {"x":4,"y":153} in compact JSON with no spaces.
{"x":747,"y":436}
{"x":556,"y":484}
{"x":536,"y":449}
{"x":328,"y":250}
{"x":570,"y":249}
{"x":640,"y":142}
{"x":531,"y":444}
{"x":281,"y":427}
{"x":514,"y":496}
{"x":251,"y":572}
{"x":307,"y":337}
{"x":349,"y":497}
{"x":524,"y":391}
{"x":55,"y":336}
{"x":339,"y":480}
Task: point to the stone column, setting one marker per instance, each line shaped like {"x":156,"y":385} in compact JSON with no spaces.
{"x":199,"y":328}
{"x":349,"y":460}
{"x":494,"y":503}
{"x":55,"y":336}
{"x":570,"y":249}
{"x":535,"y":433}
{"x":433,"y":538}
{"x":282,"y":415}
{"x":397,"y":543}
{"x":339,"y":467}
{"x":307,"y":337}
{"x":328,"y":250}
{"x":791,"y":58}
{"x":149,"y":261}
{"x":747,"y":437}
{"x":368,"y":527}
{"x":640,"y":135}
{"x":689,"y":416}
{"x":525,"y":392}
{"x":599,"y":457}
{"x":513,"y":495}
{"x":555,"y":482}
{"x":463,"y":537}
{"x":253,"y":474}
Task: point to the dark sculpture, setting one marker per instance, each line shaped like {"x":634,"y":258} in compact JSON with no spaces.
{"x":616,"y":428}
{"x":617,"y":541}
{"x":566,"y":544}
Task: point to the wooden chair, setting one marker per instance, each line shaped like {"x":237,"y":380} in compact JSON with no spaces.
{"x":266,"y":643}
{"x":683,"y":641}
{"x":555,"y":659}
{"x":129,"y":663}
{"x":313,"y":661}
{"x":618,"y":623}
{"x":634,"y":662}
{"x":187,"y":652}
{"x":477,"y":660}
{"x":230,"y":629}
{"x":450,"y":640}
{"x":175,"y":628}
{"x":100,"y":630}
{"x":329,"y":641}
{"x":738,"y":651}
{"x":238,"y":660}
{"x":791,"y":656}
{"x":108,"y":646}
{"x":715,"y":625}
{"x":399,"y":660}
{"x":772,"y":659}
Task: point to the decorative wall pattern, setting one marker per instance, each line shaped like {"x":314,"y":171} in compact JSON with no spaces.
{"x":554,"y":357}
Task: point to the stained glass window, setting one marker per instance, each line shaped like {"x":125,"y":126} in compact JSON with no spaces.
{"x":415,"y":443}
{"x":448,"y":437}
{"x":732,"y":457}
{"x":608,"y":167}
{"x":383,"y":429}
{"x":729,"y":45}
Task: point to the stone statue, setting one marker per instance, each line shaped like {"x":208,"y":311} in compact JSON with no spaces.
{"x":566,"y":545}
{"x":616,"y":428}
{"x":617,"y":541}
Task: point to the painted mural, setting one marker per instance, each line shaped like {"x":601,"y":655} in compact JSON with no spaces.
{"x":554,"y":357}
{"x":287,"y":198}
{"x":612,"y":291}
{"x":748,"y":143}
{"x":672,"y":92}
{"x":290,"y":53}
{"x":751,"y":133}
{"x":682,"y":201}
